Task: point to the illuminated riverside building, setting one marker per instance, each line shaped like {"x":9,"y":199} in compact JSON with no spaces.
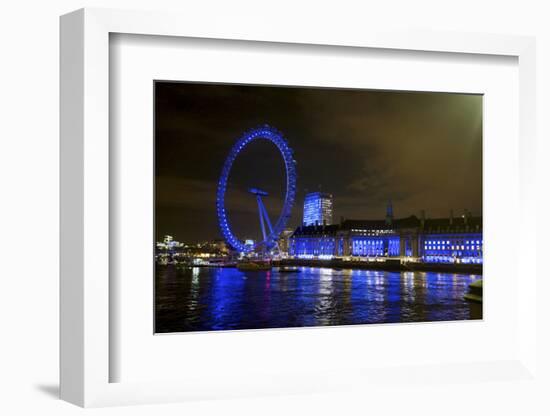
{"x":317,"y":209}
{"x":168,"y":243}
{"x":442,"y":240}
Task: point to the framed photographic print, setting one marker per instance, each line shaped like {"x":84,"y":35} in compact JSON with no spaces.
{"x":249,"y":236}
{"x":227,"y":198}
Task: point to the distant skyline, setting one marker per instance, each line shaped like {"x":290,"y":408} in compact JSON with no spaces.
{"x":421,"y":150}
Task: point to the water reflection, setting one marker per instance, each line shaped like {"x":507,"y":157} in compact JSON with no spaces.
{"x":196,"y":299}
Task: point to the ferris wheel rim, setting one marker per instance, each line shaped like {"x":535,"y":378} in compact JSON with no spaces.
{"x":271,"y":134}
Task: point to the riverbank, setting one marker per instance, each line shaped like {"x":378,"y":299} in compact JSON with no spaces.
{"x":388,"y":265}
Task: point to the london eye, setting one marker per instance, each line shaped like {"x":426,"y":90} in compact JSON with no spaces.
{"x":270,"y":232}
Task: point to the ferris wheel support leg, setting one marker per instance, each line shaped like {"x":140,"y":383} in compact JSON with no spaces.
{"x":263,"y":211}
{"x":260,"y":205}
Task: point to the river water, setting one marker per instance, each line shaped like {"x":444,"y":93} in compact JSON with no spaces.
{"x":207,"y":299}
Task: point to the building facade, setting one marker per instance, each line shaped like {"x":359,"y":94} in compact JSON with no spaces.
{"x":317,"y":209}
{"x":284,"y":242}
{"x":444,"y":240}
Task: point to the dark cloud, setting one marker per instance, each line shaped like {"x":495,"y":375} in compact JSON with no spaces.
{"x":421,"y":150}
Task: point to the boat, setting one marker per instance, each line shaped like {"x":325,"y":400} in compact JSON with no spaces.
{"x":254,"y":266}
{"x":284,"y":269}
{"x":475,"y":292}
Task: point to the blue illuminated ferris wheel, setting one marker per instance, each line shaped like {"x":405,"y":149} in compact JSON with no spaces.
{"x":270,"y":233}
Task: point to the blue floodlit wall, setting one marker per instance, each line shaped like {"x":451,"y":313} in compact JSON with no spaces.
{"x":453,"y":248}
{"x":393,"y":243}
{"x":373,"y":247}
{"x":408,"y":248}
{"x":433,"y":248}
{"x":307,"y":247}
{"x":340,"y":247}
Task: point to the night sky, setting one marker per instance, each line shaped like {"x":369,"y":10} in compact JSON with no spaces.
{"x":421,"y":150}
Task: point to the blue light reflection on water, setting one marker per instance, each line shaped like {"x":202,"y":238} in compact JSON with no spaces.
{"x":199,"y":299}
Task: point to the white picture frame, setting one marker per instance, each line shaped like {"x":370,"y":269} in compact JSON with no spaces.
{"x":85,"y":210}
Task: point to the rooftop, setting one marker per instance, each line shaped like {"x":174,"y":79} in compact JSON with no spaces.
{"x":431,"y":225}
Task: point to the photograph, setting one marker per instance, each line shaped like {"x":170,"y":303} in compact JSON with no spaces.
{"x":302,"y":206}
{"x":268,"y":208}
